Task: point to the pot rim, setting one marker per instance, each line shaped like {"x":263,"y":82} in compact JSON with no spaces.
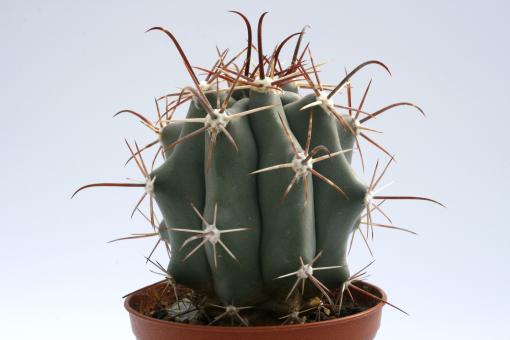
{"x":223,"y":329}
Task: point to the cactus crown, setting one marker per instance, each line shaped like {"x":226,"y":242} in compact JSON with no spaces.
{"x":259,"y":201}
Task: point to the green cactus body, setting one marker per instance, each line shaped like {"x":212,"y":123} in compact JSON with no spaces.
{"x":177,"y":185}
{"x":334,"y":214}
{"x":231,"y":190}
{"x":289,"y":228}
{"x":258,"y":196}
{"x":169,"y":134}
{"x":288,"y":97}
{"x":283,"y":227}
{"x":281,"y":230}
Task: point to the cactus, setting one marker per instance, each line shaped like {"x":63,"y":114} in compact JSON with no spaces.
{"x":259,"y":200}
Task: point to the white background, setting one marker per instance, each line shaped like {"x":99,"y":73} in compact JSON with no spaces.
{"x":67,"y":67}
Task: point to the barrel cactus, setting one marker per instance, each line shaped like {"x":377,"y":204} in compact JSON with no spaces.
{"x":258,"y":198}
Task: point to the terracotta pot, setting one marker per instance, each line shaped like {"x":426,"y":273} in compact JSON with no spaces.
{"x":360,"y":326}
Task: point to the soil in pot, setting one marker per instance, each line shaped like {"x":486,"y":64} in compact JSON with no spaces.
{"x":158,"y":301}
